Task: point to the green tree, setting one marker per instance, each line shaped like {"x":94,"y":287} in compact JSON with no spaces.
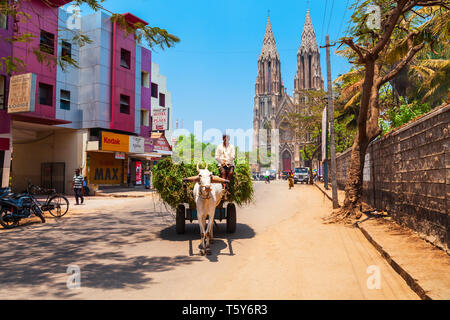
{"x":406,"y":27}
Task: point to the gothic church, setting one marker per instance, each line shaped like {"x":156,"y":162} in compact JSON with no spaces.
{"x":273,"y":104}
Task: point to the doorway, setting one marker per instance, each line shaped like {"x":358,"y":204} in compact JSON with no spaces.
{"x":53,"y":176}
{"x":287,"y":162}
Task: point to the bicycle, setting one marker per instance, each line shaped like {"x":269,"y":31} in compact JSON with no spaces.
{"x":56,"y":203}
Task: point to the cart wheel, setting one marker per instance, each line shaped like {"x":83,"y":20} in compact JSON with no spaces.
{"x":231,"y":218}
{"x":180,"y":219}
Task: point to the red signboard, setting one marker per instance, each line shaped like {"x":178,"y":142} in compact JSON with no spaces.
{"x":138,"y":173}
{"x":157,"y":142}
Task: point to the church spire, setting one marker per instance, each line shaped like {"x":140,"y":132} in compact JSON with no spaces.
{"x":269,"y":49}
{"x":309,"y":43}
{"x":268,"y":81}
{"x":309,"y":73}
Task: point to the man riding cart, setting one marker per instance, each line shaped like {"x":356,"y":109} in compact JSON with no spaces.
{"x":225,"y":154}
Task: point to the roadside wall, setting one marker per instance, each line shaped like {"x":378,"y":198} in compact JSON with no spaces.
{"x":407,"y":173}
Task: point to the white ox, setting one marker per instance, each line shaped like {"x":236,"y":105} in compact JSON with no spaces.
{"x":208,"y":192}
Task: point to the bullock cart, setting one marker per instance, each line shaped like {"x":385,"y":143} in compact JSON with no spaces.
{"x":187,"y":212}
{"x":224,"y":211}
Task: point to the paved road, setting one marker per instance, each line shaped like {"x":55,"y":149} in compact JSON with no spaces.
{"x":128,"y":249}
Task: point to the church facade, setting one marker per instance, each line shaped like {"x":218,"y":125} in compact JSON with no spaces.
{"x":273,"y":105}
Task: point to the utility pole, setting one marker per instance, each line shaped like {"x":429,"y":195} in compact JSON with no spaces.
{"x":331,"y":125}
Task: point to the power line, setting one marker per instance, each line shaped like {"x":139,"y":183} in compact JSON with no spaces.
{"x":342,"y":21}
{"x":331,"y":14}
{"x":323,"y":21}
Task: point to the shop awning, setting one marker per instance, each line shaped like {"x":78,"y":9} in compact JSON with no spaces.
{"x":146,"y":156}
{"x":38,"y":119}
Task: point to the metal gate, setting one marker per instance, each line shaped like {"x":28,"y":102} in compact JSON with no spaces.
{"x":53,"y":176}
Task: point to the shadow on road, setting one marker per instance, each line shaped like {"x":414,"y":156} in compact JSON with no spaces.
{"x":243,"y":231}
{"x":222,"y":240}
{"x":34,"y":257}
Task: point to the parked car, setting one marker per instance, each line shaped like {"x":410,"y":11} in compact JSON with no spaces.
{"x":258,"y":177}
{"x":285,"y":175}
{"x":301,"y":175}
{"x":273,"y":175}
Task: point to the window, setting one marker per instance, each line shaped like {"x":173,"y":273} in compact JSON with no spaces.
{"x":154,"y":90}
{"x":65,"y":100}
{"x":45,"y":94}
{"x":125,"y":58}
{"x":2,"y":92}
{"x":145,"y":79}
{"x":162,"y":100}
{"x":47,"y":44}
{"x":145,"y":118}
{"x":124,"y":104}
{"x":66,"y":50}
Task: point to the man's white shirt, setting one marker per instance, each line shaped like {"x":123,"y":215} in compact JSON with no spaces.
{"x":225,"y":154}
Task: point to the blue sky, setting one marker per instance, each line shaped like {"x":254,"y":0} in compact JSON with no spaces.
{"x":212,"y":71}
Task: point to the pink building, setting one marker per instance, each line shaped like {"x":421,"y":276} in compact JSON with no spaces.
{"x":123,"y":70}
{"x":43,"y":24}
{"x":146,"y":92}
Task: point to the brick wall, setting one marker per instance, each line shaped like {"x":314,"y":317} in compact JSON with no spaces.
{"x":407,"y":173}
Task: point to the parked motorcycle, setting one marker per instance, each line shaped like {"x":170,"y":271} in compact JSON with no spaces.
{"x":14,"y":207}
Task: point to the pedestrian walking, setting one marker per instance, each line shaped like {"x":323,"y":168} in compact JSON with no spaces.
{"x":291,"y":180}
{"x":77,"y":185}
{"x":86,"y":189}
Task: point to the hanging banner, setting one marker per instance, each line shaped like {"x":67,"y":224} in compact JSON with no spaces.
{"x":324,"y":134}
{"x":138,"y":173}
{"x":22,"y":93}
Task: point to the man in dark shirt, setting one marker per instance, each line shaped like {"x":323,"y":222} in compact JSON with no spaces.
{"x":77,"y":186}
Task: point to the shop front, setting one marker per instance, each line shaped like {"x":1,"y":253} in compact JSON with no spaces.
{"x":107,"y":162}
{"x":106,"y":169}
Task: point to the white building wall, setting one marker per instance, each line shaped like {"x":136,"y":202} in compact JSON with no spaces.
{"x":68,"y":79}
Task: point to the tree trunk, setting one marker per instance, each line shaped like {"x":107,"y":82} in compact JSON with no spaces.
{"x":354,"y":185}
{"x":367,"y":131}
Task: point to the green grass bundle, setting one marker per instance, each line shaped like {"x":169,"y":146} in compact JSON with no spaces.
{"x":168,"y":181}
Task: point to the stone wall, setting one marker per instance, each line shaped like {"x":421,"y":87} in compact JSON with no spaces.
{"x":407,"y":173}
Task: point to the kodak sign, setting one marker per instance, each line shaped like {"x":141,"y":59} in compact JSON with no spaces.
{"x":115,"y":142}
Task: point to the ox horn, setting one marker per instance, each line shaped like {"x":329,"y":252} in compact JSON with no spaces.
{"x":191,"y":179}
{"x":198,"y":167}
{"x":216,"y":179}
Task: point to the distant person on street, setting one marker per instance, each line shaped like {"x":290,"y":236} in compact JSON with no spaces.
{"x":225,"y":155}
{"x":86,"y":190}
{"x":291,"y":179}
{"x":267,"y":176}
{"x":77,"y":186}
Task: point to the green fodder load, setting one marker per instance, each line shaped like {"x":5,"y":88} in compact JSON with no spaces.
{"x":168,"y":181}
